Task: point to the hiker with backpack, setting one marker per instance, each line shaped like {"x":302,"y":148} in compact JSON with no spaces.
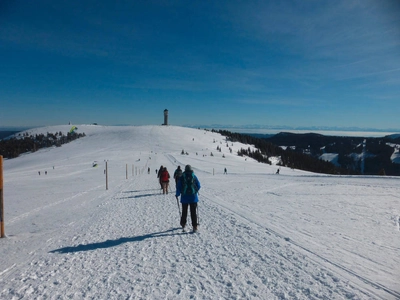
{"x":188,"y":187}
{"x":164,"y":179}
{"x":177,"y":174}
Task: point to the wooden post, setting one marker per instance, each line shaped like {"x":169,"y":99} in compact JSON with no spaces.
{"x":106,"y":176}
{"x":126,"y":171}
{"x":2,"y":234}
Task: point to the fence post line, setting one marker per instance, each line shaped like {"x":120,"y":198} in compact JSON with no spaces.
{"x":106,"y":176}
{"x":2,"y":234}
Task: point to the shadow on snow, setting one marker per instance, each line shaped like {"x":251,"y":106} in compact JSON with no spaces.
{"x":138,"y":191}
{"x":158,"y":192}
{"x":113,"y":243}
{"x":139,"y":196}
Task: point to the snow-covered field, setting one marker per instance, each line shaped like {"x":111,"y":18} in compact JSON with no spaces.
{"x":296,"y":235}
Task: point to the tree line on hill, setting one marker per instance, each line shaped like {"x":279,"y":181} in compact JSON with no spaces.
{"x":379,"y":157}
{"x":368,"y":156}
{"x":289,"y":157}
{"x":13,"y":147}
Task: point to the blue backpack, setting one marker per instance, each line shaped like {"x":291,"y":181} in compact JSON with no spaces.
{"x":188,"y":184}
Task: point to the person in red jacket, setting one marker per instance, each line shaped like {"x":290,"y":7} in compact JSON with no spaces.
{"x":164,"y":179}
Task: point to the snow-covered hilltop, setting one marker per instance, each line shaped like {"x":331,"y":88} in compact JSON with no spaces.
{"x":296,"y":235}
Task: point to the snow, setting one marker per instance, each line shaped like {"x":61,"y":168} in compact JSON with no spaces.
{"x":395,"y":157}
{"x":275,"y":160}
{"x":331,"y":157}
{"x":296,"y":235}
{"x":290,"y":147}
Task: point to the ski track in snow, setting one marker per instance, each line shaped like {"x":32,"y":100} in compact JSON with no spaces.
{"x":50,"y":205}
{"x":317,"y":258}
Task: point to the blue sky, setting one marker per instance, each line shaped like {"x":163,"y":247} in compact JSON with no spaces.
{"x":265,"y":63}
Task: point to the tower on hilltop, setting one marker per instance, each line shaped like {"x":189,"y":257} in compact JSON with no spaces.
{"x":165,"y":117}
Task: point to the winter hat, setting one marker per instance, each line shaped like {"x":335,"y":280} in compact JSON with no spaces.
{"x":188,"y":168}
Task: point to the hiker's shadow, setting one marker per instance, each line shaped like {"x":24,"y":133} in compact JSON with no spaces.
{"x":113,"y":243}
{"x":138,"y":196}
{"x":138,"y":191}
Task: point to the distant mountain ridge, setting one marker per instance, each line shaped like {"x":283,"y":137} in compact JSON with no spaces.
{"x":369,"y":156}
{"x":278,"y":128}
{"x":393,"y":136}
{"x":348,"y":155}
{"x":7,"y":133}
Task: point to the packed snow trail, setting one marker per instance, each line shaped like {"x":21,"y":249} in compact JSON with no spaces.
{"x":296,"y":235}
{"x":132,"y":247}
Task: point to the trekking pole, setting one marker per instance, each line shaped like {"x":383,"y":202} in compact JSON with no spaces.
{"x":197,"y":210}
{"x":179,"y":208}
{"x":198,"y":219}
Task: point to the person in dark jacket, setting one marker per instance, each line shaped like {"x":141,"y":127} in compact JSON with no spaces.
{"x":188,"y":187}
{"x":177,"y":174}
{"x":159,"y":174}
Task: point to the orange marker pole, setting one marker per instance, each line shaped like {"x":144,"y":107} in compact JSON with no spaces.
{"x":2,"y":234}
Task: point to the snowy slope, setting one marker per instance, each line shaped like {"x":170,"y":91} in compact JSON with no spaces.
{"x":331,"y":157}
{"x":395,"y":158}
{"x":296,"y":235}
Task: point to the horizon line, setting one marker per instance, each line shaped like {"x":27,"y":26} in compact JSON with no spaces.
{"x":227,"y":127}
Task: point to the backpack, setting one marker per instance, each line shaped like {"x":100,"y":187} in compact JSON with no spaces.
{"x":178,"y":174}
{"x":188,"y":184}
{"x":164,"y":176}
